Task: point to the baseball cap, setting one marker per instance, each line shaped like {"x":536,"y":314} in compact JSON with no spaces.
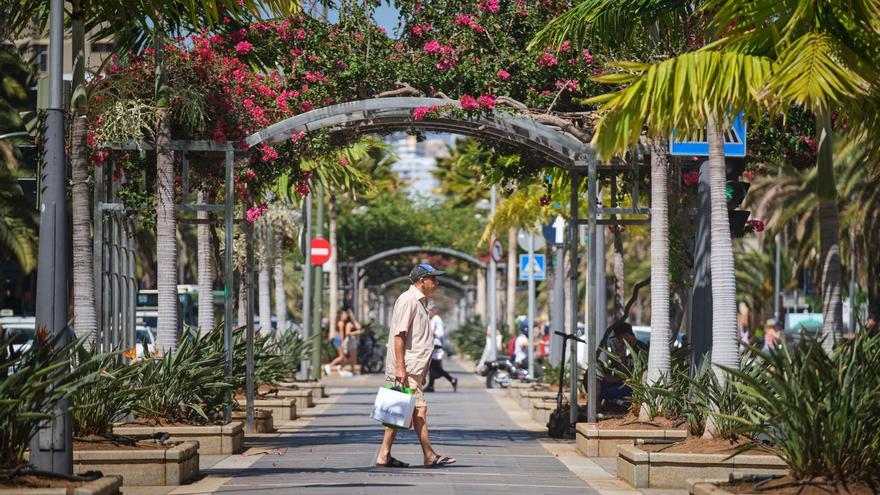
{"x":423,"y":270}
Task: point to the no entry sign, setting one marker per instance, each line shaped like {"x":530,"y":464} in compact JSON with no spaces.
{"x":320,"y":251}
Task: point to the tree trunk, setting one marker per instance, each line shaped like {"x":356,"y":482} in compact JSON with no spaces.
{"x":206,"y":270}
{"x":618,"y":267}
{"x":334,"y":268}
{"x":658,"y":355}
{"x":829,"y":235}
{"x":85,"y":320}
{"x":280,"y":294}
{"x":510,"y":317}
{"x":481,"y":296}
{"x":166,"y":238}
{"x":724,"y":337}
{"x":264,"y":278}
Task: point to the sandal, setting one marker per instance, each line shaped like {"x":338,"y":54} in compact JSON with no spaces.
{"x":392,"y":463}
{"x":441,"y":461}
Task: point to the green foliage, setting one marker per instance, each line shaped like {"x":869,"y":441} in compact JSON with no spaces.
{"x":470,"y":338}
{"x":110,"y":394}
{"x":31,"y":383}
{"x":821,"y":412}
{"x":186,"y":385}
{"x":712,"y":404}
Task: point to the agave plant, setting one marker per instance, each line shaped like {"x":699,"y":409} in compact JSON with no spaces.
{"x":31,"y":384}
{"x":110,"y":394}
{"x":821,"y":412}
{"x":185,"y":385}
{"x":714,"y":404}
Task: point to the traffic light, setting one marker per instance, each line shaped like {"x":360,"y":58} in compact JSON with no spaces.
{"x":736,"y":191}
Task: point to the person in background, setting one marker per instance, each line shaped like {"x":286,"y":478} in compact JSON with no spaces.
{"x":439,"y":353}
{"x":350,"y":342}
{"x":611,"y":387}
{"x":772,"y":335}
{"x":521,"y":347}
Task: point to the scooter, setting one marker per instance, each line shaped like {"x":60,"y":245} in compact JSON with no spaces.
{"x":559,"y":425}
{"x":499,"y":372}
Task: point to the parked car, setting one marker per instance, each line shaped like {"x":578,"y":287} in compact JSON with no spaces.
{"x":145,"y":341}
{"x":24,"y":330}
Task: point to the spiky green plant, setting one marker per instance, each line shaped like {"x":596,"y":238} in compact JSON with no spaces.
{"x":470,"y":338}
{"x":31,"y":384}
{"x":821,"y":412}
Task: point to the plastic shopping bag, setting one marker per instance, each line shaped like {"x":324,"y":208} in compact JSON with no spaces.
{"x":394,"y":407}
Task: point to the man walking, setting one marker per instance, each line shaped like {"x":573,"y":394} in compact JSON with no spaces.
{"x":410,"y":344}
{"x":436,"y":369}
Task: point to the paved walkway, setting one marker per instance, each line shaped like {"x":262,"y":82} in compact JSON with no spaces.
{"x":334,"y":454}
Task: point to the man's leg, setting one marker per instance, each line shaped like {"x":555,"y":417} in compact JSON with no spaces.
{"x":420,"y":425}
{"x":385,"y":449}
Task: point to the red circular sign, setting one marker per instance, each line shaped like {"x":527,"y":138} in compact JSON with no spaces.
{"x":320,"y":251}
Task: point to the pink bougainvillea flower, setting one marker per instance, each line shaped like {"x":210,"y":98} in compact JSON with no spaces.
{"x":565,"y":46}
{"x":432,"y":47}
{"x":298,"y":136}
{"x":755,"y":226}
{"x":243,"y":48}
{"x":420,"y":112}
{"x":468,"y":102}
{"x":749,"y":175}
{"x":303,"y":189}
{"x":491,"y":6}
{"x":547,"y":60}
{"x":486,"y":101}
{"x":269,"y":153}
{"x":588,"y":57}
{"x":503,"y":74}
{"x":690,"y":178}
{"x":255,"y":212}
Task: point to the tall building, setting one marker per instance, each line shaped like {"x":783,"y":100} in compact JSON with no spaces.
{"x":417,"y":161}
{"x":35,"y":45}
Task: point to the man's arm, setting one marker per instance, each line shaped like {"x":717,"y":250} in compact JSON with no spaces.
{"x":399,"y":354}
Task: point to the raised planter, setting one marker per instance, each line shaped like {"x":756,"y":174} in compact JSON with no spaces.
{"x":317,"y":388}
{"x":541,"y":409}
{"x":516,"y":387}
{"x":593,"y":441}
{"x":643,"y":469}
{"x":263,"y":422}
{"x":303,"y":398}
{"x":177,"y":465}
{"x":105,"y":485}
{"x":283,"y":409}
{"x":225,"y":439}
{"x":526,"y":397}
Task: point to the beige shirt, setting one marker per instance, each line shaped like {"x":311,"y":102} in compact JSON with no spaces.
{"x":411,"y":316}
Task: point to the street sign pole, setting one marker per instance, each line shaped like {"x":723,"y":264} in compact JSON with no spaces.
{"x":557,"y":316}
{"x":318,"y":290}
{"x":492,"y":302}
{"x":51,"y":447}
{"x":531,"y":272}
{"x":306,"y":331}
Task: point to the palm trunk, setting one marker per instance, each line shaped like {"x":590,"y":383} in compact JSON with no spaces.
{"x":280,"y":294}
{"x":242,"y":297}
{"x":166,"y":223}
{"x":85,"y":320}
{"x":510,"y":317}
{"x":619,"y":274}
{"x":481,"y":296}
{"x":334,"y":268}
{"x":658,"y":355}
{"x":829,"y":235}
{"x":264,"y":278}
{"x":724,"y":338}
{"x":206,"y":270}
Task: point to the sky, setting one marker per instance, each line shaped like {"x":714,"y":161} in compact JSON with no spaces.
{"x":386,"y":16}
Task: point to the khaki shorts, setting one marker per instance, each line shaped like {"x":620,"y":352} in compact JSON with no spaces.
{"x":416,"y":382}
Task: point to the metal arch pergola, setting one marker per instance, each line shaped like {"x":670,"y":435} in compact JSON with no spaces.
{"x":358,"y":266}
{"x":464,"y":289}
{"x":557,"y":147}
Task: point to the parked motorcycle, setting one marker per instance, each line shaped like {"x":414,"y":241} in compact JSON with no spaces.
{"x":499,"y":372}
{"x":370,"y":356}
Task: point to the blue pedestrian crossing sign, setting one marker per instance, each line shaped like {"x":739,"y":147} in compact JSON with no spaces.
{"x":695,"y":144}
{"x":535,"y":268}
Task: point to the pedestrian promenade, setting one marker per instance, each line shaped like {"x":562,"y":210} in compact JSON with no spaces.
{"x":332,"y":450}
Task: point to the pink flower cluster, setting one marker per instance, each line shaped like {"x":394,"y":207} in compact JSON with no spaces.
{"x":547,"y":59}
{"x":448,"y":56}
{"x":255,"y":212}
{"x":755,"y":226}
{"x":491,"y":6}
{"x":503,"y":74}
{"x":690,"y":178}
{"x":421,"y":29}
{"x":269,"y":153}
{"x":243,"y":48}
{"x":468,"y":21}
{"x":420,"y":113}
{"x":468,"y":102}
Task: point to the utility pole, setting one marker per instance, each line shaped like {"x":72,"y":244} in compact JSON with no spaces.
{"x":318,"y":290}
{"x":305,"y":371}
{"x":490,"y":282}
{"x":777,"y":278}
{"x":51,"y":447}
{"x":531,"y":272}
{"x":557,"y":316}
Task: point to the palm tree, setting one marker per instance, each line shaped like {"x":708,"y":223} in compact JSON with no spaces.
{"x":264,"y":277}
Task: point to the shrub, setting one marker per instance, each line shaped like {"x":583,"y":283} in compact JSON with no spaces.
{"x":111,"y":392}
{"x":31,"y":384}
{"x":709,"y":399}
{"x":186,"y":385}
{"x":822,"y":412}
{"x":470,"y":338}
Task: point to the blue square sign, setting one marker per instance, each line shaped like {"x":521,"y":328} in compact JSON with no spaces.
{"x":695,"y":144}
{"x":535,"y":268}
